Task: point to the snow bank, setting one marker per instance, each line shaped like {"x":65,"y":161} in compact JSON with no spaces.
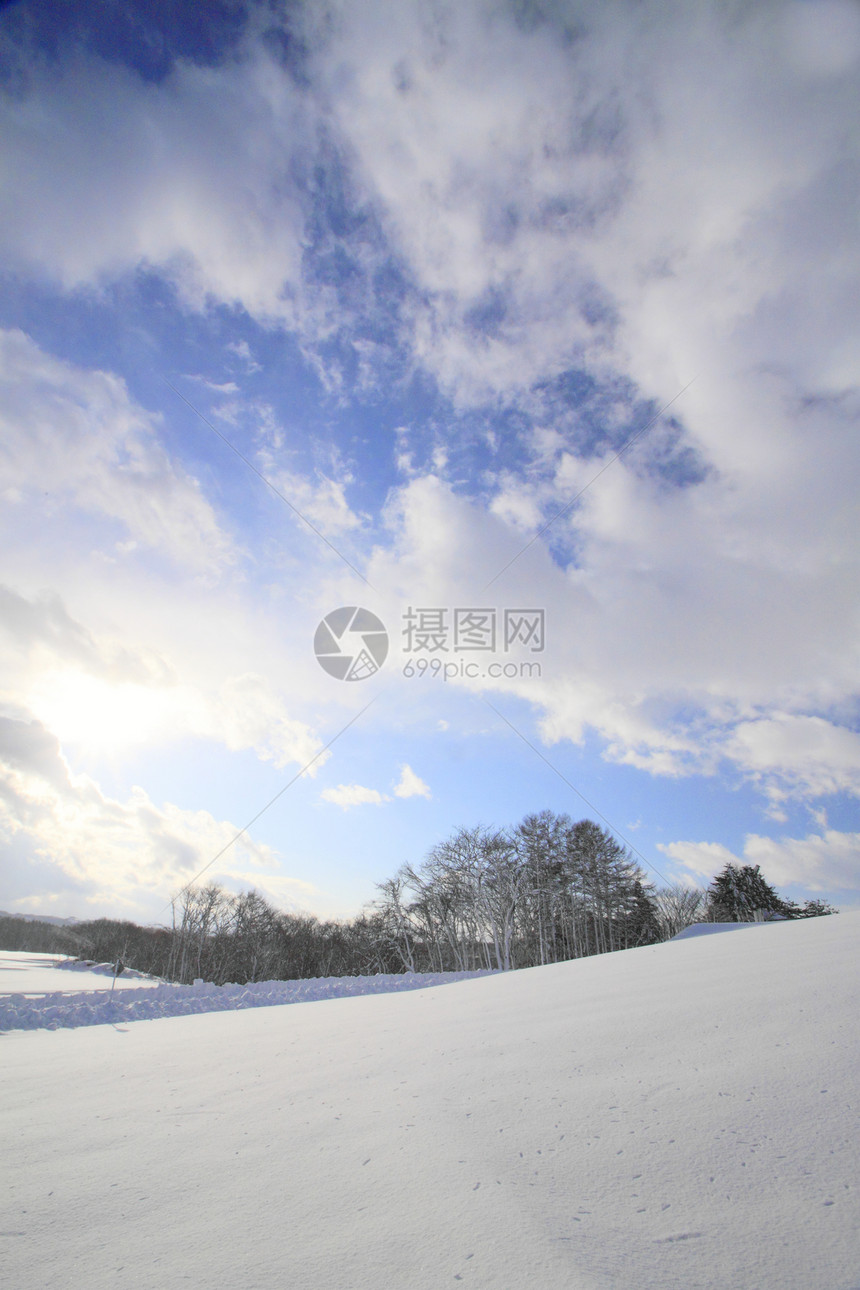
{"x":24,"y":1011}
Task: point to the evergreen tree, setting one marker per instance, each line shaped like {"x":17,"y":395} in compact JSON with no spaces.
{"x":739,"y":894}
{"x":811,"y":909}
{"x":642,"y":925}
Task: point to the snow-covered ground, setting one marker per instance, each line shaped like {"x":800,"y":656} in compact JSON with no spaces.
{"x":681,"y":1117}
{"x":34,"y":974}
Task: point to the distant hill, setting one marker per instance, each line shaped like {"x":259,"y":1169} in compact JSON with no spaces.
{"x":41,"y":918}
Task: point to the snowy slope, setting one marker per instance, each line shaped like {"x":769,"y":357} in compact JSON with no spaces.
{"x":682,"y":1117}
{"x":708,"y":929}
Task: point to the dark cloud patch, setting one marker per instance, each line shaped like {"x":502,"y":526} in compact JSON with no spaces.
{"x":502,"y":221}
{"x":672,"y":458}
{"x":148,"y":35}
{"x":487,"y":315}
{"x":46,"y":622}
{"x":30,"y":748}
{"x":288,"y":49}
{"x":591,"y":415}
{"x":361,"y":289}
{"x":36,"y":884}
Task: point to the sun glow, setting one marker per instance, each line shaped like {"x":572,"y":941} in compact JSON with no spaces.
{"x":102,"y":715}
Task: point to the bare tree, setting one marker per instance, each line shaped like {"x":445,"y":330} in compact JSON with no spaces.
{"x":679,"y":907}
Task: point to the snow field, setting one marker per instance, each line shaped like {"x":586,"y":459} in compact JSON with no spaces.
{"x":682,"y":1117}
{"x":31,"y":974}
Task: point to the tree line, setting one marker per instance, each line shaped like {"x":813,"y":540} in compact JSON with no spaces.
{"x":216,"y":936}
{"x":545,"y":891}
{"x":549,"y":890}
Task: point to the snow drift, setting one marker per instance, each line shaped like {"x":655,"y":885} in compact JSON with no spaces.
{"x":69,"y":1008}
{"x":680,"y":1117}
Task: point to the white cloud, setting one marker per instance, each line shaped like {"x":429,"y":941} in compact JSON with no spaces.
{"x":44,"y":628}
{"x":191,"y":176}
{"x":246,"y":712}
{"x":681,"y":635}
{"x":321,"y":500}
{"x":347,"y":795}
{"x":242,"y":350}
{"x":129,"y":653}
{"x":70,"y":842}
{"x":318,"y":497}
{"x":73,"y":438}
{"x":515,"y":503}
{"x":224,"y":387}
{"x":829,"y":861}
{"x":458,"y":121}
{"x":551,"y":195}
{"x":687,"y":611}
{"x":693,"y":620}
{"x":669,"y":193}
{"x":825,"y":862}
{"x":410,"y":785}
{"x":548,"y":196}
{"x":105,"y":693}
{"x":703,"y":859}
{"x":798,"y":754}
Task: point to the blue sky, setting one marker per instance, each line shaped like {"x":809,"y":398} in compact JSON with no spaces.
{"x":304,"y":307}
